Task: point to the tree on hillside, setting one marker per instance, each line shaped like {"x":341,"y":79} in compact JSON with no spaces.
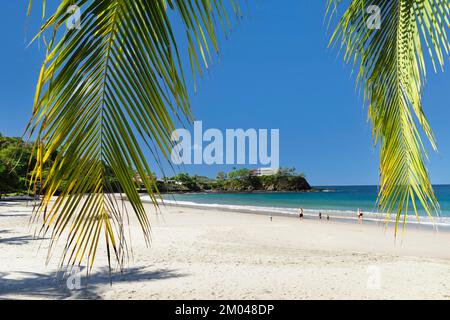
{"x":189,"y":182}
{"x":14,"y":157}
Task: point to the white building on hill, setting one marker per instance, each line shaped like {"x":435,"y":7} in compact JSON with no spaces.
{"x":264,"y":172}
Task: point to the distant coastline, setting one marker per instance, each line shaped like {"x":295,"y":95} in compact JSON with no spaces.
{"x":312,"y":190}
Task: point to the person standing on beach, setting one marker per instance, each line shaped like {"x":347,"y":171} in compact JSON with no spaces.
{"x":328,"y":217}
{"x":320,"y":215}
{"x":300,"y":215}
{"x":359,"y":216}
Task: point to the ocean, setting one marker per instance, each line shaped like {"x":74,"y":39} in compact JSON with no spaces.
{"x":334,"y":200}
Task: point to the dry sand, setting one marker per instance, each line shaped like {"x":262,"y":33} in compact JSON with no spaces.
{"x":208,"y":254}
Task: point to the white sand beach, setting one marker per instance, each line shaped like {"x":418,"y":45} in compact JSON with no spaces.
{"x":209,"y":254}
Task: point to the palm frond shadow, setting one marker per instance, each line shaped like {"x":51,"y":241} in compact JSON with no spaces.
{"x":16,"y":241}
{"x":18,"y":204}
{"x":54,"y":286}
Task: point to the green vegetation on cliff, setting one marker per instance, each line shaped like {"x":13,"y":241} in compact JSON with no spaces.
{"x":241,"y":180}
{"x":14,"y":176}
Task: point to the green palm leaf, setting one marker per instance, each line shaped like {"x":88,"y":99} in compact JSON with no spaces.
{"x":104,"y":91}
{"x":392,"y":70}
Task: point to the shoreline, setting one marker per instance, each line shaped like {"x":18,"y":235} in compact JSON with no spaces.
{"x":342,"y":216}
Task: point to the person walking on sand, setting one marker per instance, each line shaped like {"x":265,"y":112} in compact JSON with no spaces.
{"x":300,"y":215}
{"x":320,"y":215}
{"x":328,"y":217}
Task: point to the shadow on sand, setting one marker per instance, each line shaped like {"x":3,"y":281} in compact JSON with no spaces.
{"x":18,"y":240}
{"x":2,"y":215}
{"x":17,"y":203}
{"x":53,"y":286}
{"x":15,"y":209}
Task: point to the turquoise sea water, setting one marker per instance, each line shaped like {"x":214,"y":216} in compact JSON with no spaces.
{"x":345,"y":199}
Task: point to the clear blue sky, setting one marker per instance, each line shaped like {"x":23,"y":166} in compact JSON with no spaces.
{"x":275,"y":71}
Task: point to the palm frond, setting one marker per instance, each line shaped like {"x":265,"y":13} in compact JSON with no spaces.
{"x":392,"y":68}
{"x":104,"y":91}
